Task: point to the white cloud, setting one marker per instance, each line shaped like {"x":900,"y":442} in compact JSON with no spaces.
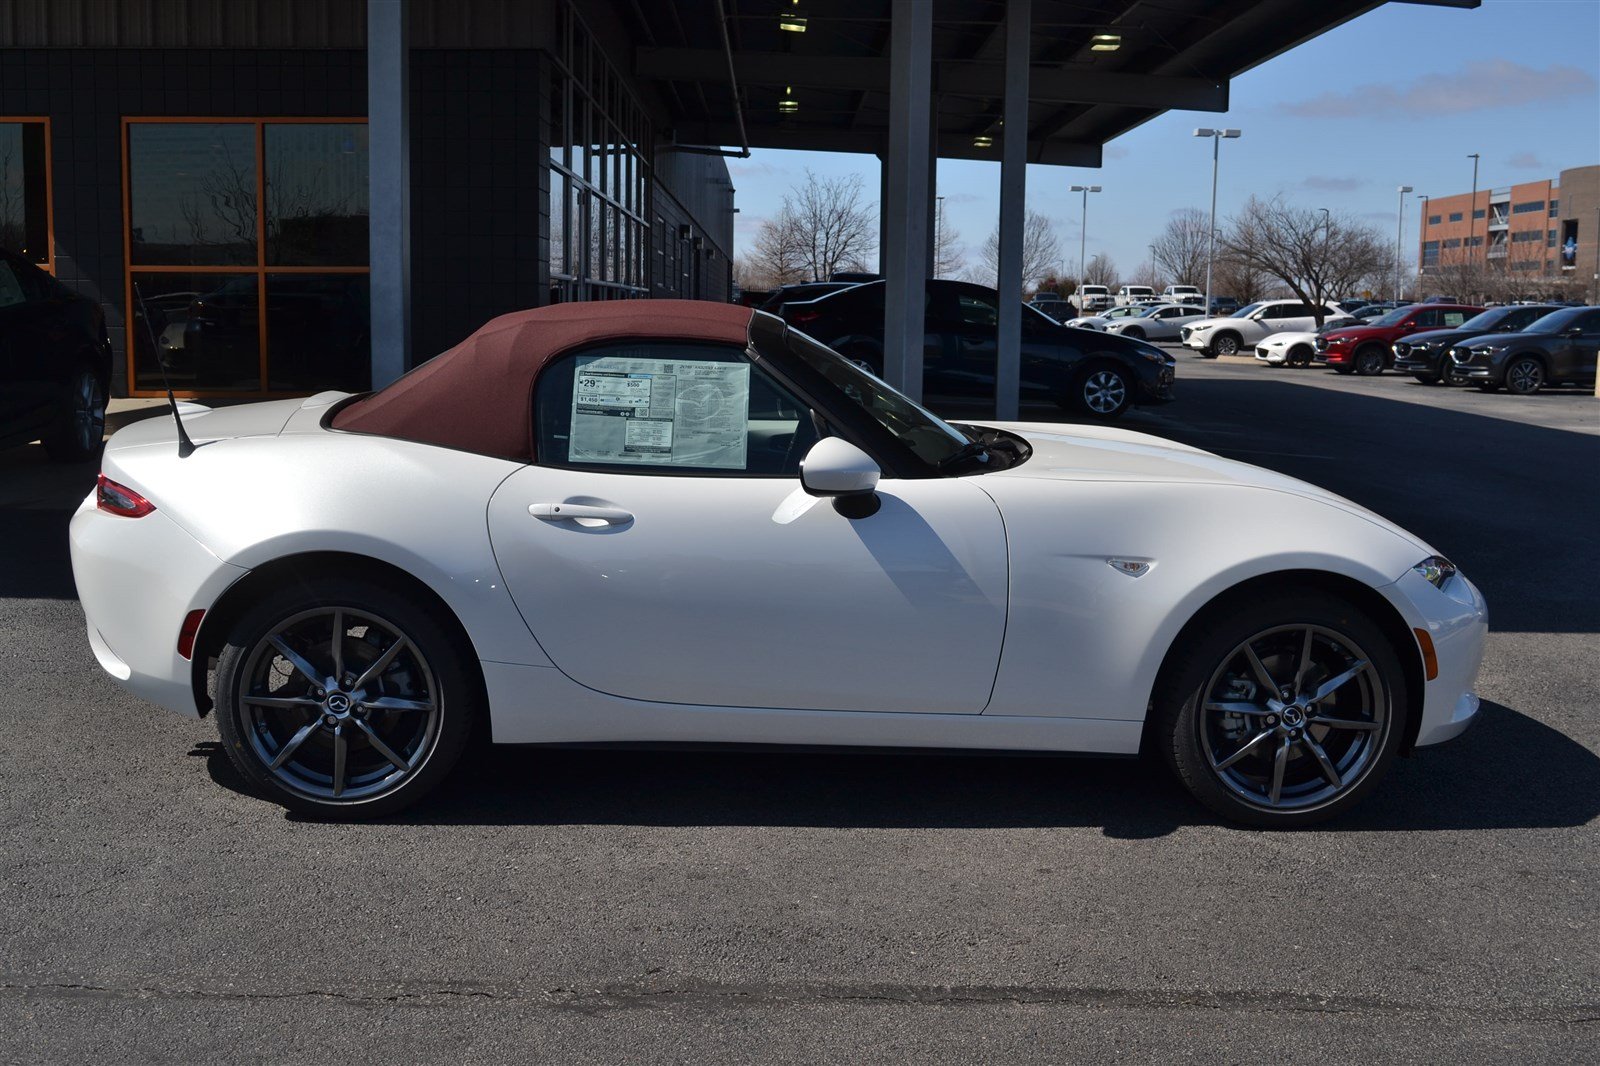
{"x":1484,"y":85}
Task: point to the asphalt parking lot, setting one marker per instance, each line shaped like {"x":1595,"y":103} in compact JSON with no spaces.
{"x":606,"y":906}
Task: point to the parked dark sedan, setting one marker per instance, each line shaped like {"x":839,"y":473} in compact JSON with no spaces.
{"x":55,"y":363}
{"x":1098,"y":374}
{"x":806,"y":290}
{"x":1558,"y":349}
{"x":1422,"y":355}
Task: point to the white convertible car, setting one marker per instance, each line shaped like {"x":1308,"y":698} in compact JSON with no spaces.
{"x":671,"y":522}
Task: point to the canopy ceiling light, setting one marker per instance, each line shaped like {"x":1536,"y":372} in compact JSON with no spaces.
{"x":792,"y":20}
{"x":788,"y":105}
{"x":983,"y":140}
{"x":1105,"y":42}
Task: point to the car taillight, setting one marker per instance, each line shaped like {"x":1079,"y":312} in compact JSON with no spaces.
{"x":802,"y":317}
{"x":120,"y":500}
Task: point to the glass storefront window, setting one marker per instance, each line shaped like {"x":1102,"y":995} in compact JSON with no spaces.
{"x":192,"y":194}
{"x":25,"y":189}
{"x":599,"y":172}
{"x":248,"y":241}
{"x":317,"y":194}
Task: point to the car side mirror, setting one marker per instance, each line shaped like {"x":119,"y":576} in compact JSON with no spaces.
{"x":835,"y":467}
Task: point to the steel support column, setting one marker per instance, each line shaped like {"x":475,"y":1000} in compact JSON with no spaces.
{"x":1013,"y":200}
{"x":389,"y":188}
{"x":905,"y":202}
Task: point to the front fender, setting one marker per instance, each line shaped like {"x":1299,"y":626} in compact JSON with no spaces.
{"x":1086,"y":640}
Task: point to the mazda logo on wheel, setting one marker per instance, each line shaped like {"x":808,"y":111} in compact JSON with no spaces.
{"x":338,"y":703}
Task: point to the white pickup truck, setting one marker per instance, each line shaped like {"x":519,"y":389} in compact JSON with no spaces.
{"x":1130,"y":295}
{"x":1092,"y":298}
{"x":1183,"y":294}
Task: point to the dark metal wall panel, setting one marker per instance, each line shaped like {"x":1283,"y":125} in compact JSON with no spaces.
{"x":513,"y":24}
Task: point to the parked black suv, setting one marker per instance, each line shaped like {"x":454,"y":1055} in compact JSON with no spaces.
{"x":55,"y":363}
{"x":1558,"y":349}
{"x":1098,"y":374}
{"x":1422,"y":355}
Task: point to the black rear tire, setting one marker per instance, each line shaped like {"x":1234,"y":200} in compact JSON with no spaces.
{"x":431,"y":672}
{"x":79,"y":427}
{"x":1189,"y":736}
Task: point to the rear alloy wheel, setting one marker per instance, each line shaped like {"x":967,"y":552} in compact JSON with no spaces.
{"x":1524,"y":376}
{"x":1227,"y":344}
{"x":1369,"y":362}
{"x":1103,"y":391}
{"x":81,"y":423}
{"x":345,"y":702}
{"x":1284,"y":710}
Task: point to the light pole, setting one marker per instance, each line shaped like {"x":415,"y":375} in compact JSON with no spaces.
{"x":1422,"y":241}
{"x":1211,"y":254}
{"x":938,"y":232}
{"x":1327,"y":225}
{"x":1399,"y":238}
{"x":1472,"y":220}
{"x":1083,"y":236}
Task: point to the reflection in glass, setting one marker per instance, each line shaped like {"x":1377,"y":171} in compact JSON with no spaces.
{"x":316,"y":194}
{"x":558,"y":222}
{"x":192,"y":193}
{"x":317,"y":332}
{"x":206,"y":327}
{"x":24,"y":226}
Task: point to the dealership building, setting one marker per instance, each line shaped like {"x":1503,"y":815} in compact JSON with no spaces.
{"x":272,"y":197}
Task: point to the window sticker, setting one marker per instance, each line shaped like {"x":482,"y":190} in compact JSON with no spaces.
{"x":664,"y":412}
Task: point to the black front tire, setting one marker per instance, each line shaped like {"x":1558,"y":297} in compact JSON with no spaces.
{"x":1179,"y":716}
{"x":1428,"y":379}
{"x":1227,"y":344}
{"x":1102,"y":390}
{"x":432,"y":672}
{"x":1524,"y":376}
{"x":1369,"y":362}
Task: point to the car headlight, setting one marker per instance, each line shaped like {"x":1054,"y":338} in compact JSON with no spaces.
{"x":1436,"y":570}
{"x":1152,"y":353}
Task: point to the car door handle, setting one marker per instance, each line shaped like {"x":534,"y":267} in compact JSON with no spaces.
{"x":561,"y":512}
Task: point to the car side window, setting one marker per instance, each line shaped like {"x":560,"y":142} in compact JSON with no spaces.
{"x":1589,"y":323}
{"x":11,"y":292}
{"x":661,"y":408}
{"x":972,"y":311}
{"x":1452,"y":319}
{"x":1425,"y":319}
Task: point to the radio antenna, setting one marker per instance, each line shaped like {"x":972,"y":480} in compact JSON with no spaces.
{"x":185,"y":445}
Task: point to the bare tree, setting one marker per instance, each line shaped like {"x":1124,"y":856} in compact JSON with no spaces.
{"x":1183,"y":246}
{"x":835,"y":228}
{"x":1041,"y":251}
{"x":1150,"y":274}
{"x":949,"y":254}
{"x":1100,"y":270}
{"x":1316,"y":256}
{"x":778,"y":257}
{"x":1242,"y":281}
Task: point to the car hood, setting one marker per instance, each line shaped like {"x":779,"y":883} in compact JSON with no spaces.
{"x":1207,"y":323}
{"x":1443,"y":336}
{"x":1104,"y":453}
{"x":1356,"y":333}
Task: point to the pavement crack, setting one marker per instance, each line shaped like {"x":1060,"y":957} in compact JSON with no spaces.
{"x":696,"y":995}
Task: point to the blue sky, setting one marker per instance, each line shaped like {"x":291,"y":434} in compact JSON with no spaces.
{"x":1399,"y":96}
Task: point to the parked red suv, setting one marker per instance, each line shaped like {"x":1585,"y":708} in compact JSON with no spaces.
{"x":1367,"y":349}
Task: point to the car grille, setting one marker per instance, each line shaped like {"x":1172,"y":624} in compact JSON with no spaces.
{"x":1321,"y":344}
{"x":1183,"y":332}
{"x":1401,"y":349}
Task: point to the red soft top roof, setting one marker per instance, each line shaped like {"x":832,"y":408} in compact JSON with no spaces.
{"x":478,"y":396}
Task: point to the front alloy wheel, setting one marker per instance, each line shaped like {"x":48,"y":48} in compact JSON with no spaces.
{"x":1285,"y":711}
{"x":1104,"y":391}
{"x":1369,"y":362}
{"x":346,"y":705}
{"x":1227,"y":344}
{"x":1525,"y":376}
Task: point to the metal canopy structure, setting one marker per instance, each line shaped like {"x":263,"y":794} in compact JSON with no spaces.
{"x":744,"y":74}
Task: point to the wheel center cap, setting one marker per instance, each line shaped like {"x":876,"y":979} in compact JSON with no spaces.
{"x":337,"y":703}
{"x":1293,"y":717}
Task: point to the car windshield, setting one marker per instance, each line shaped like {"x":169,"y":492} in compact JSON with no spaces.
{"x":931,"y":438}
{"x":1392,"y":318}
{"x":1555,"y":321}
{"x":1488,"y":319}
{"x":1246,"y":311}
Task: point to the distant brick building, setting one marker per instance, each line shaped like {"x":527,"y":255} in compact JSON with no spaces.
{"x":1544,"y":231}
